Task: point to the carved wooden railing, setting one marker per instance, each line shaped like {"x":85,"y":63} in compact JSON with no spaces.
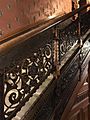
{"x":29,"y":57}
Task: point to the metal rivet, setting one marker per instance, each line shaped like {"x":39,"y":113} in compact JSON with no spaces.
{"x":17,"y":19}
{"x":1,"y":13}
{"x":34,"y":18}
{"x":1,"y":33}
{"x":9,"y":6}
{"x":9,"y":25}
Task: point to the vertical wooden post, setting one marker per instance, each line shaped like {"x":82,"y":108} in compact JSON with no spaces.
{"x":80,"y":44}
{"x":1,"y":97}
{"x":89,"y":90}
{"x":56,"y":52}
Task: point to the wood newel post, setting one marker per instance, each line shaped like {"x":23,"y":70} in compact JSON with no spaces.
{"x":1,"y":97}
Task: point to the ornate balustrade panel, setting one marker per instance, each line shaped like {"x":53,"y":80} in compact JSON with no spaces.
{"x":69,"y":78}
{"x":85,"y":50}
{"x":67,"y":38}
{"x":24,"y":76}
{"x":28,"y":64}
{"x":83,"y":54}
{"x":66,"y":78}
{"x":65,"y":86}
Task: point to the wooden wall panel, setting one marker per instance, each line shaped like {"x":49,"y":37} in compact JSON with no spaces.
{"x":80,"y":109}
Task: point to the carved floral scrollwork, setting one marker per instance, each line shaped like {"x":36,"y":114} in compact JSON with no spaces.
{"x":67,"y":77}
{"x":85,"y":20}
{"x":68,"y":38}
{"x":23,"y":79}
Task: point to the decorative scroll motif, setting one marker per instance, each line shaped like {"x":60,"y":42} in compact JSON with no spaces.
{"x":65,"y":86}
{"x":67,"y":77}
{"x":85,"y":50}
{"x":24,"y":79}
{"x":85,"y":20}
{"x":68,"y":38}
{"x":45,"y":106}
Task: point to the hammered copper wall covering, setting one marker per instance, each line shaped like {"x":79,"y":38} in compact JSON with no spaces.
{"x":15,"y":14}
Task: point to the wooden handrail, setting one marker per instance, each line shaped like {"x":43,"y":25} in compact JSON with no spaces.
{"x":11,"y":41}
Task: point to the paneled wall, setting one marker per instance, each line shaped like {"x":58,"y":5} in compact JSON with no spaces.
{"x":16,"y":14}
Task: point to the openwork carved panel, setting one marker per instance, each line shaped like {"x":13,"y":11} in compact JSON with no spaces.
{"x":85,"y":50}
{"x":85,"y":20}
{"x":68,"y":38}
{"x":24,"y":79}
{"x":67,"y":77}
{"x":65,"y":86}
{"x":83,"y":54}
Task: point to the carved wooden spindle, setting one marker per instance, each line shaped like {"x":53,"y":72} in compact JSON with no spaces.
{"x":1,"y":97}
{"x":56,"y":51}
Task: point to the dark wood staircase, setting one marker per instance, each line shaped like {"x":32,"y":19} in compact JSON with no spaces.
{"x":45,"y":71}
